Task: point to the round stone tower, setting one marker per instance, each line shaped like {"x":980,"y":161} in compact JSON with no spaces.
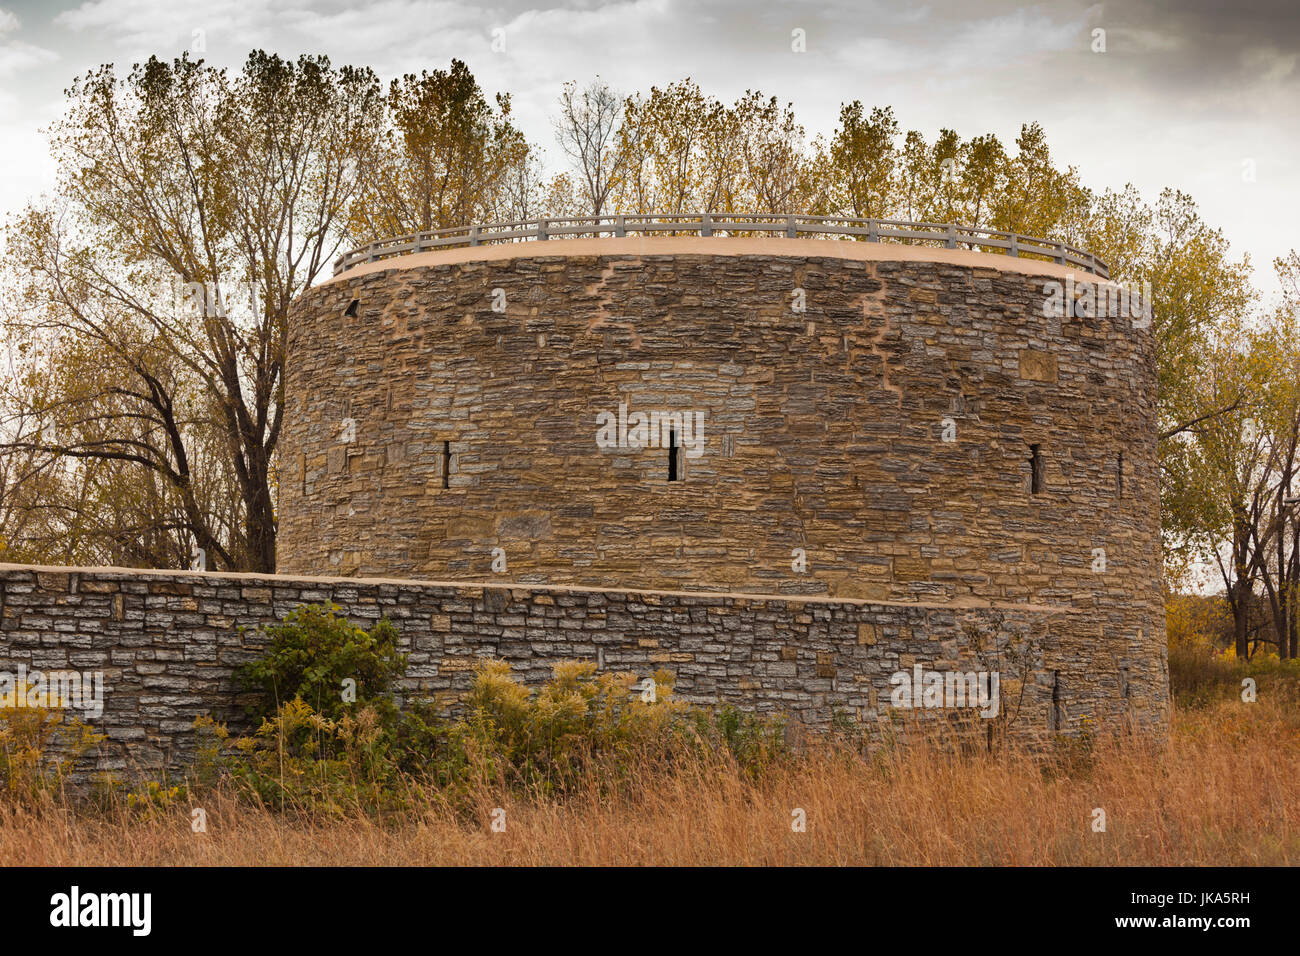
{"x":860,"y":420}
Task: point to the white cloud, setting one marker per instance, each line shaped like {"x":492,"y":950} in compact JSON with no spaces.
{"x":1183,"y":93}
{"x":144,"y":27}
{"x":17,"y":56}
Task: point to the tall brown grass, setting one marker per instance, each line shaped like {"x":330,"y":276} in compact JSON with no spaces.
{"x":1224,"y":791}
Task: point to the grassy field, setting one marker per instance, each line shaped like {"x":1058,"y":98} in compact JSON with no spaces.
{"x":1223,"y":792}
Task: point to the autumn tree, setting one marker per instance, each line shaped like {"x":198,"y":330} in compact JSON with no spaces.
{"x":660,"y":143}
{"x":149,"y":302}
{"x":1032,"y":200}
{"x":860,"y":163}
{"x":527,"y":191}
{"x":446,"y":156}
{"x":1214,"y":485}
{"x":683,"y":152}
{"x":982,"y":173}
{"x":587,"y":129}
{"x":776,"y":172}
{"x":1276,"y":538}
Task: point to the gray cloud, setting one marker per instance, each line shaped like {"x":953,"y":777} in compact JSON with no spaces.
{"x":1184,"y":94}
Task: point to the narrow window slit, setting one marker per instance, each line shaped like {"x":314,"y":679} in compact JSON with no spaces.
{"x":672,"y":455}
{"x":1054,"y":718}
{"x":1119,"y":476}
{"x":351,"y":310}
{"x":446,"y":464}
{"x":1036,"y":469}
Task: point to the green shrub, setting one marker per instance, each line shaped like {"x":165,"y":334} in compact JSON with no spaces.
{"x":752,"y":740}
{"x":299,"y":759}
{"x":310,"y":655}
{"x":315,"y":751}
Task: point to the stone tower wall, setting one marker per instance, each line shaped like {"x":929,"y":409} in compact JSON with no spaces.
{"x":870,"y":419}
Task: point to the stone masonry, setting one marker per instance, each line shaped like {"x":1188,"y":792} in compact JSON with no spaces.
{"x":877,"y":426}
{"x":904,"y":462}
{"x":424,"y":430}
{"x":167,"y":642}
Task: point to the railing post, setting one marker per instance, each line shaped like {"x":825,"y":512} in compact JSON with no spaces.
{"x":541,"y":229}
{"x":1092,"y":263}
{"x":1015,"y":246}
{"x":951,"y":242}
{"x":620,"y":227}
{"x":789,"y":228}
{"x":706,"y":226}
{"x":1062,"y":259}
{"x":473,"y":235}
{"x":873,"y":231}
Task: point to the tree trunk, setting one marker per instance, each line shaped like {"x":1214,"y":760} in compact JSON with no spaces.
{"x":1239,"y":611}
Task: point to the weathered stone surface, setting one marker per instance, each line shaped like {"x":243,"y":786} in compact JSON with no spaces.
{"x":831,"y":441}
{"x":874,"y":448}
{"x":1037,"y":366}
{"x":805,"y":657}
{"x":886,"y":432}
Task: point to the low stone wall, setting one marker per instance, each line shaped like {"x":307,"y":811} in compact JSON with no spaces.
{"x":167,"y":643}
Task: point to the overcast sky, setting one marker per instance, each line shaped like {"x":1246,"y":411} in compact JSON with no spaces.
{"x":1185,"y":94}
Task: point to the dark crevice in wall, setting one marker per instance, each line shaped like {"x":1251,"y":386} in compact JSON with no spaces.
{"x":1055,"y":721}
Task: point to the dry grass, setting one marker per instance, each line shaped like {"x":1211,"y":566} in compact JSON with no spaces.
{"x":1223,"y":793}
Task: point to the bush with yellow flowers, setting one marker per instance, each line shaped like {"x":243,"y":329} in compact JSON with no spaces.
{"x":314,"y":750}
{"x":39,"y":747}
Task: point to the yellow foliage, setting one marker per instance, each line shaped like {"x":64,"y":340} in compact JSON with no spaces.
{"x":40,"y":745}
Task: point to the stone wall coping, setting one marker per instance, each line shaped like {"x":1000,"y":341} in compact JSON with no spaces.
{"x":253,"y":578}
{"x":677,"y":246}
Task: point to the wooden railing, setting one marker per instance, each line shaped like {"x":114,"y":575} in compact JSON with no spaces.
{"x":946,"y":235}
